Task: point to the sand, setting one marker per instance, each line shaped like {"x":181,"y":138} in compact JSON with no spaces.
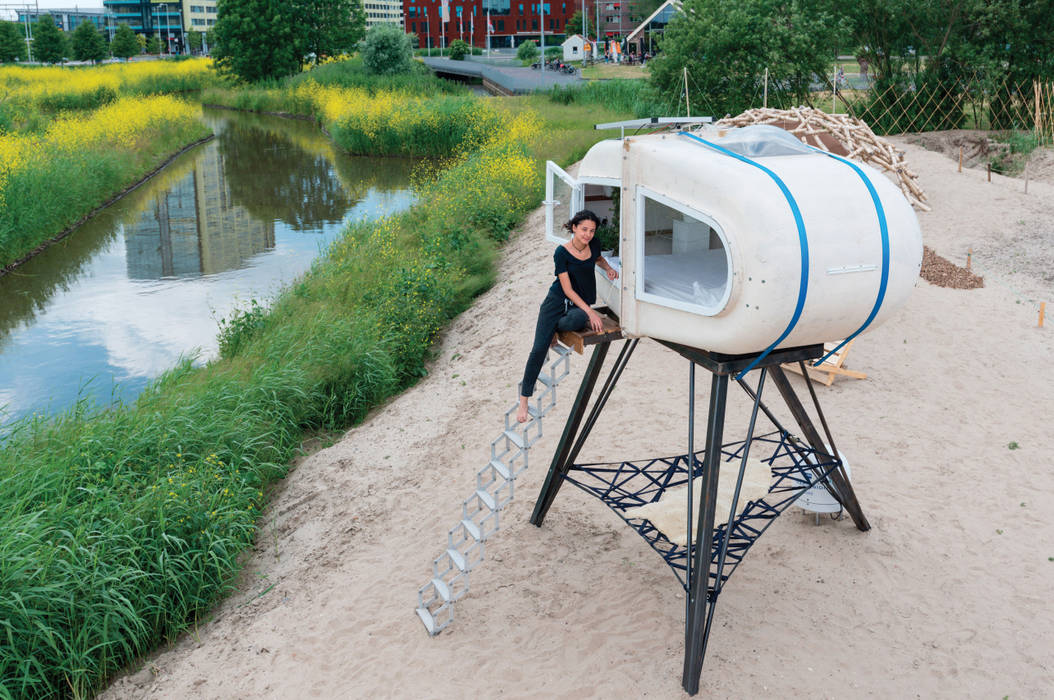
{"x":947,"y":596}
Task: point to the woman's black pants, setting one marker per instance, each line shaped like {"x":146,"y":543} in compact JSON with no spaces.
{"x":555,"y":314}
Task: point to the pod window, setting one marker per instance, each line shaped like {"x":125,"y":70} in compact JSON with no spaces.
{"x":684,"y":256}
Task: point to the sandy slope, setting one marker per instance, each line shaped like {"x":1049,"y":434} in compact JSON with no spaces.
{"x":947,"y":595}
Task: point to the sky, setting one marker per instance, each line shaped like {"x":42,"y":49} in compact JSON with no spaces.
{"x":8,"y":8}
{"x":60,"y":4}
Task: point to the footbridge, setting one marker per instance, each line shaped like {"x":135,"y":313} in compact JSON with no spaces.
{"x":501,"y":80}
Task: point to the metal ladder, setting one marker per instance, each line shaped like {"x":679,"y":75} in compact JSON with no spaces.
{"x":494,"y":490}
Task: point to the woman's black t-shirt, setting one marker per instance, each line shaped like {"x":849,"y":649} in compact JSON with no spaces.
{"x":580,"y":272}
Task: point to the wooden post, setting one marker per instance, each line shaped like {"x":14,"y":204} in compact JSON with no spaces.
{"x":1042,"y":312}
{"x":687,"y":104}
{"x":1039,"y":114}
{"x":960,"y":159}
{"x":969,"y":258}
{"x":765,"y":95}
{"x":834,"y":90}
{"x":989,"y":166}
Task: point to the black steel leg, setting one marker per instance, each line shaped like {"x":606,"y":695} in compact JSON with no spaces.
{"x":557,"y":469}
{"x":841,"y":488}
{"x":699,"y":602}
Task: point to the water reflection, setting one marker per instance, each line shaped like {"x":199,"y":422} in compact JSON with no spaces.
{"x":144,"y":282}
{"x":194,"y":228}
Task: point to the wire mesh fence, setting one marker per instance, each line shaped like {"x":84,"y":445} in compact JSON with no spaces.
{"x":927,"y":104}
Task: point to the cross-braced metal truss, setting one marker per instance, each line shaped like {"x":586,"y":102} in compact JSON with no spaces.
{"x":795,"y":468}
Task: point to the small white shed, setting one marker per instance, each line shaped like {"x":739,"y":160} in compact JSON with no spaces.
{"x":739,"y":240}
{"x":573,"y":47}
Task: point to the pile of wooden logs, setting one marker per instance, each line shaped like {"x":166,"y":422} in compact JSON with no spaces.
{"x":840,"y":134}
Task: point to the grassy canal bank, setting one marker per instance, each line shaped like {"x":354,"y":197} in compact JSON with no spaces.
{"x":125,"y":525}
{"x":72,"y":139}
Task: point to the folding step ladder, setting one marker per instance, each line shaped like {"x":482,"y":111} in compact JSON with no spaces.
{"x":494,"y":490}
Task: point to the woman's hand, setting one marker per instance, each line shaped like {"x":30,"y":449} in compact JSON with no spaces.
{"x":595,"y":322}
{"x":612,"y":274}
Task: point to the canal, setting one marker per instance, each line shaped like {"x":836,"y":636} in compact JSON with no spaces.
{"x":100,"y":314}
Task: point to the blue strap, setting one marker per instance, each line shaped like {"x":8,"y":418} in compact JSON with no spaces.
{"x":803,"y":241}
{"x":884,"y":229}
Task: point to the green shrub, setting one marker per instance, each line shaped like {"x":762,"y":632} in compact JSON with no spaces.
{"x":459,"y":49}
{"x":241,"y":327}
{"x":527,"y":52}
{"x":386,"y":50}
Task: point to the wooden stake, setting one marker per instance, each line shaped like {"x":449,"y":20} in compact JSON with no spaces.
{"x":687,"y":105}
{"x":1042,"y":312}
{"x":1038,"y":120}
{"x":989,"y":172}
{"x":969,"y":258}
{"x":960,"y":159}
{"x":765,"y":98}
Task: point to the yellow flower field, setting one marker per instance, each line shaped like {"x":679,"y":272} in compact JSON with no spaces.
{"x":53,"y":86}
{"x":122,"y":124}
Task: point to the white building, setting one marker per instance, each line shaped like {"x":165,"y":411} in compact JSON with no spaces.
{"x":198,"y":15}
{"x":573,"y":47}
{"x":383,"y":11}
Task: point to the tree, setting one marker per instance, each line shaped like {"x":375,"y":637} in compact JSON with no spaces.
{"x":153,"y":45}
{"x":257,"y":39}
{"x":528,"y":52}
{"x":328,"y":27}
{"x":12,"y":45}
{"x":49,"y":46}
{"x":387,"y":50}
{"x":194,"y":41}
{"x":459,"y":49}
{"x":574,"y":25}
{"x":125,"y":45}
{"x":726,"y":46}
{"x":87,"y":43}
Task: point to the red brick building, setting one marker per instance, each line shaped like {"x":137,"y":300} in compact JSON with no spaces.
{"x":512,"y":22}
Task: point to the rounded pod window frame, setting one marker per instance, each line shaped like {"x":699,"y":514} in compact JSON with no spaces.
{"x":642,"y":192}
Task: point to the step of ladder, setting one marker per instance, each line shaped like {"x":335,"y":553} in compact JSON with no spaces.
{"x":479,"y":512}
{"x":503,"y":470}
{"x":516,"y":438}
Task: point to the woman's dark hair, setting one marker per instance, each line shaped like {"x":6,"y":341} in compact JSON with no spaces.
{"x":584,"y":215}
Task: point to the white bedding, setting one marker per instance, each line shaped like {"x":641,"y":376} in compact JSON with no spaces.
{"x":696,"y":278}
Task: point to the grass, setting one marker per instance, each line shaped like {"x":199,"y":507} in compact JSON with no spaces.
{"x":633,"y":97}
{"x":49,"y":180}
{"x":123,"y":526}
{"x":351,"y":73}
{"x":52,"y":89}
{"x":1019,"y":147}
{"x":614,"y":71}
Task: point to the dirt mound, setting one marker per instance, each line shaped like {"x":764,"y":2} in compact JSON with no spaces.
{"x":944,"y":273}
{"x":977,"y":147}
{"x":1041,"y":165}
{"x":980,"y":148}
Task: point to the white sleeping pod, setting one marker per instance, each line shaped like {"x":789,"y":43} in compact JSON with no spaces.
{"x":717,"y":228}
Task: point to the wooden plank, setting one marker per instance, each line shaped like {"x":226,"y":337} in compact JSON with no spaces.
{"x":831,"y":368}
{"x":578,"y":340}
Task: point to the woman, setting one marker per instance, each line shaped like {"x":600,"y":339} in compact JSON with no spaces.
{"x":567,"y":307}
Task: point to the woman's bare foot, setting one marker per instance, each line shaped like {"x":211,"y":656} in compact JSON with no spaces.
{"x":521,"y":414}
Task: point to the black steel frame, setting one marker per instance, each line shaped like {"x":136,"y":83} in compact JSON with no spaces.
{"x":626,"y":484}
